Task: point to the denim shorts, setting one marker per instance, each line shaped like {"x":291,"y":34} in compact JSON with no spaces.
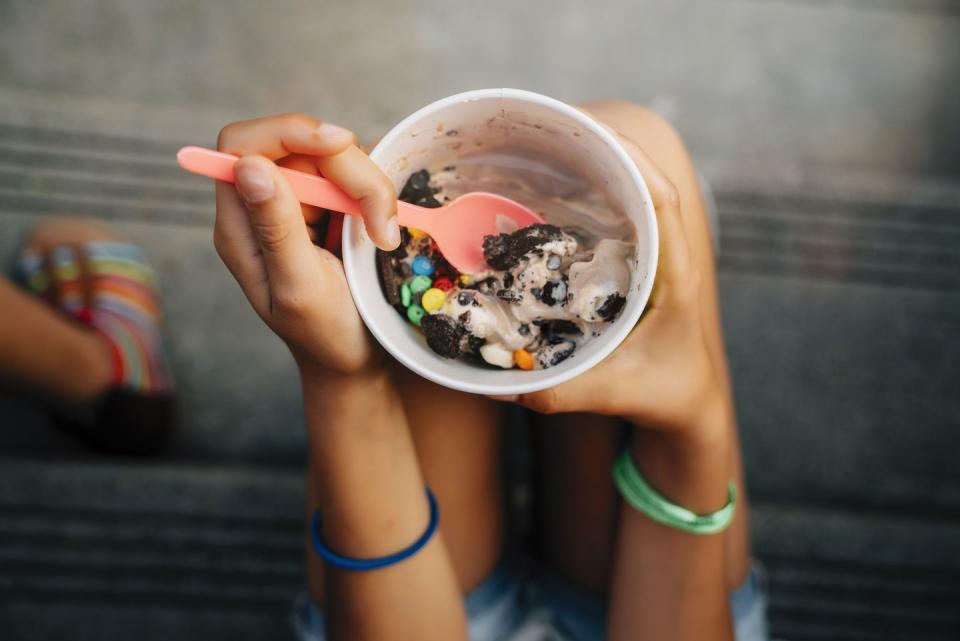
{"x":509,"y":607}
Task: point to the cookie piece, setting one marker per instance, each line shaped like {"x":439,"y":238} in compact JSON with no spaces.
{"x":444,"y":335}
{"x":505,"y":251}
{"x":417,"y":190}
{"x":611,"y":307}
{"x":554,"y":292}
{"x":390,"y":270}
{"x":550,"y":355}
{"x":552,"y":328}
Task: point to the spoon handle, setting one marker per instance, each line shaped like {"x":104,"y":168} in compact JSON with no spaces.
{"x":309,"y":189}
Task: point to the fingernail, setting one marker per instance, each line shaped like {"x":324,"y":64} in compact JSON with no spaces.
{"x":254,"y":184}
{"x":509,"y":398}
{"x":336,"y":135}
{"x":392,"y":233}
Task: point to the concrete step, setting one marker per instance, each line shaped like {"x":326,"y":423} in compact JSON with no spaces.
{"x":104,"y":550}
{"x":112,"y":551}
{"x":782,"y":85}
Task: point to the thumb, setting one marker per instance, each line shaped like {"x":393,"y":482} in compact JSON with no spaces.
{"x":277,"y":224}
{"x":587,"y":392}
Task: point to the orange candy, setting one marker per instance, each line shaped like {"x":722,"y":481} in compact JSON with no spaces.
{"x":523,"y":358}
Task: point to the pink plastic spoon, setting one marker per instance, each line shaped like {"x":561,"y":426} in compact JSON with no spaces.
{"x":457,"y":227}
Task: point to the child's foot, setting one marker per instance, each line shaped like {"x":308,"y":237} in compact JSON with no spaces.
{"x":89,"y":274}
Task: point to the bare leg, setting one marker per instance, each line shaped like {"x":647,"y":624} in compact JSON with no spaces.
{"x":457,"y":440}
{"x":41,"y":347}
{"x":577,"y":504}
{"x":580,"y":547}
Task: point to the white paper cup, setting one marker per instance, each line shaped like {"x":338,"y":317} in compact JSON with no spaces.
{"x":472,"y":122}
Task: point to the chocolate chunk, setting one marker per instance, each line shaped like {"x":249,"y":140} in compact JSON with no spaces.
{"x":417,"y":190}
{"x":504,"y":251}
{"x":524,"y":329}
{"x":466,"y":297}
{"x":611,"y":307}
{"x":553,"y":327}
{"x":508,"y":280}
{"x":444,"y":335}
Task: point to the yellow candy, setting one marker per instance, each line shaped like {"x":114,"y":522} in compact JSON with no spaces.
{"x":415,"y":233}
{"x":464,"y":279}
{"x":433,"y":299}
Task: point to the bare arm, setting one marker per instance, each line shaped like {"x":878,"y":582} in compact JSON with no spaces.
{"x":371,"y":494}
{"x":666,"y":584}
{"x":364,"y":472}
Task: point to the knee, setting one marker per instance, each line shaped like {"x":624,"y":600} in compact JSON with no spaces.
{"x":644,"y":126}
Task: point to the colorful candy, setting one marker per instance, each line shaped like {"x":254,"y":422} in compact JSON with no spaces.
{"x":415,"y":314}
{"x":433,"y":299}
{"x":523,"y":359}
{"x":420,"y":283}
{"x":443,"y":283}
{"x":423,"y":266}
{"x":415,"y":233}
{"x":406,"y":296}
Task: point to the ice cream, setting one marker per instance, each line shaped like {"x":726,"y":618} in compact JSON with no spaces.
{"x":550,"y":288}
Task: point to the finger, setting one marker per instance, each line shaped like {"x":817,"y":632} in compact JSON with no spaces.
{"x":674,"y":263}
{"x":278,"y":227}
{"x":354,"y":172}
{"x":279,"y":136}
{"x":301,"y":162}
{"x":238,"y":248}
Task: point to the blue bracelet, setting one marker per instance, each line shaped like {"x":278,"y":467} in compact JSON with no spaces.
{"x":348,"y":563}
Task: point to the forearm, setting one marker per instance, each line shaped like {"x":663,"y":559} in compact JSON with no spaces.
{"x":371,"y":494}
{"x":667,"y":583}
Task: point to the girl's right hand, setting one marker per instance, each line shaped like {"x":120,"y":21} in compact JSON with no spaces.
{"x":298,"y":289}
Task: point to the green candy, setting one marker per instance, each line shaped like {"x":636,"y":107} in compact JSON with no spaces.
{"x":406,"y":297}
{"x":415,"y":314}
{"x":420,"y":284}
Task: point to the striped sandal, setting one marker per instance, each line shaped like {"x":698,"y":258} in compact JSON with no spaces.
{"x":110,"y":288}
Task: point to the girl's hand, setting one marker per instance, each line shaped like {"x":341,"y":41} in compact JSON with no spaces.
{"x":298,"y":289}
{"x":661,"y":376}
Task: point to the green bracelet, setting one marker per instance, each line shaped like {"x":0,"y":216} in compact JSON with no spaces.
{"x":638,"y":493}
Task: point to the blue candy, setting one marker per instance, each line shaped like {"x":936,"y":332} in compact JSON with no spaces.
{"x":422,"y":266}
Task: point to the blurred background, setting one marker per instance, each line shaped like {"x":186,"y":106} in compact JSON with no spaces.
{"x":829,"y":129}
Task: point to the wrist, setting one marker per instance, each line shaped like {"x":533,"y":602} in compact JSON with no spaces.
{"x":691,"y":466}
{"x":696,"y":416}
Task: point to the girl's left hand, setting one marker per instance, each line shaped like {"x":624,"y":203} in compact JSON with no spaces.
{"x":661,"y":376}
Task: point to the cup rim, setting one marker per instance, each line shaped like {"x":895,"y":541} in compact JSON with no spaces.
{"x":613,"y":336}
